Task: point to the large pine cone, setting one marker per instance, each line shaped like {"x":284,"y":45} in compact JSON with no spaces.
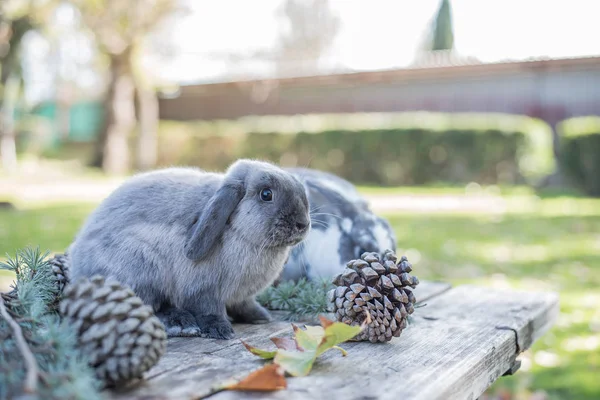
{"x":121,"y":336}
{"x":377,"y":285}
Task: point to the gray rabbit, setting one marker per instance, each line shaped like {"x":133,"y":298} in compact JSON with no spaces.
{"x":343,"y":227}
{"x":197,"y":246}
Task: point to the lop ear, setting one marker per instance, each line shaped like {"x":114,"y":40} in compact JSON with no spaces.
{"x":212,"y":220}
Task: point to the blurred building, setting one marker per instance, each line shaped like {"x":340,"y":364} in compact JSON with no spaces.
{"x":549,"y":89}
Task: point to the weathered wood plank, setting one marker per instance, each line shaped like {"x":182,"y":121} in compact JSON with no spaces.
{"x":457,"y":349}
{"x":429,"y":289}
{"x":462,"y":341}
{"x":431,"y":360}
{"x":247,"y":331}
{"x":184,"y":376}
{"x":527,"y":314}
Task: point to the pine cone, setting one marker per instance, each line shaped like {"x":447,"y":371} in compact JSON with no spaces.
{"x":121,"y":336}
{"x":378,"y":286}
{"x":60,"y":268}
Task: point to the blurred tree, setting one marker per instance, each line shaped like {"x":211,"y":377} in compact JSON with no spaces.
{"x":148,"y":118}
{"x":17,"y":18}
{"x":308,"y":29}
{"x":120,"y":27}
{"x":157,"y":48}
{"x":442,"y":32}
{"x":14,"y":24}
{"x":311,"y":28}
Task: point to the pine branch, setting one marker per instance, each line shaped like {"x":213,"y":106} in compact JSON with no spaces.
{"x":31,"y":380}
{"x":38,"y":351}
{"x":302,"y":299}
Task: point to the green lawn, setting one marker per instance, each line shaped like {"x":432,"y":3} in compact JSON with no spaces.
{"x":549,"y":244}
{"x":534,"y":251}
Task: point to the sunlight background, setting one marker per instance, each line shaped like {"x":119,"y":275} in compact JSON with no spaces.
{"x":206,"y":44}
{"x":384,"y":34}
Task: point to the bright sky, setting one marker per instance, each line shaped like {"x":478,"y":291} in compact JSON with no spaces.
{"x":374,"y":34}
{"x":382,"y":34}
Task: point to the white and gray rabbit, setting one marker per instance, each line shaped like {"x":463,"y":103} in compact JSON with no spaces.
{"x":343,"y":227}
{"x":197,"y":246}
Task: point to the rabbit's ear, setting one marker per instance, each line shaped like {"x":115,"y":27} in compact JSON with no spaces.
{"x":211,"y":222}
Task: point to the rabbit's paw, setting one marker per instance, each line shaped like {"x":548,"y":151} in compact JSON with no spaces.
{"x":249,"y":312}
{"x":215,"y":327}
{"x":178,"y":322}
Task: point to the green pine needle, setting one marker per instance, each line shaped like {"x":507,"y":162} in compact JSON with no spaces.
{"x":302,"y":299}
{"x":64,"y":371}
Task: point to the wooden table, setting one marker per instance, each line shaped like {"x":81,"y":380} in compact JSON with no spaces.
{"x":463,"y":340}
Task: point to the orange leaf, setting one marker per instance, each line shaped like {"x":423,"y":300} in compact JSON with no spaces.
{"x":285,"y":343}
{"x":267,"y":379}
{"x":324,"y":321}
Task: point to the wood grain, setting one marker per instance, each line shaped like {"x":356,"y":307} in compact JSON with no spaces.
{"x":429,"y":289}
{"x":460,"y":343}
{"x":432,"y":360}
{"x":527,"y":314}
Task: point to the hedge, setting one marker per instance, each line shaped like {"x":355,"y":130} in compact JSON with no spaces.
{"x":580,"y":153}
{"x":378,"y":157}
{"x":580,"y":160}
{"x":451,"y":145}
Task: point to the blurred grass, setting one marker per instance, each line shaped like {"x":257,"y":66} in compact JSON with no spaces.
{"x":554,"y":247}
{"x":540,"y":243}
{"x":442,"y":189}
{"x":50,"y":227}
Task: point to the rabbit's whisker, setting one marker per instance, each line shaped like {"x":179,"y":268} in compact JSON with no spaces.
{"x":321,"y":223}
{"x":331,"y":215}
{"x":318,"y":208}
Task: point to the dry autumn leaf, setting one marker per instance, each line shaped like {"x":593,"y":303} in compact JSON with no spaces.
{"x":286,"y":343}
{"x":296,"y":363}
{"x":308,"y":340}
{"x":267,"y":379}
{"x":324,"y":321}
{"x":335,"y":334}
{"x":267,"y":355}
{"x":296,"y":356}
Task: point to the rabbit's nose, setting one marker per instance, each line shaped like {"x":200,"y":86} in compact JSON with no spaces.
{"x":301,"y":226}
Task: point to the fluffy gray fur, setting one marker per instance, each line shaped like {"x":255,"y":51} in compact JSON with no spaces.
{"x":196,"y":246}
{"x":343,"y":227}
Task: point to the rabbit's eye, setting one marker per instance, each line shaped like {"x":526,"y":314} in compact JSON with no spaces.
{"x":266,"y":195}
